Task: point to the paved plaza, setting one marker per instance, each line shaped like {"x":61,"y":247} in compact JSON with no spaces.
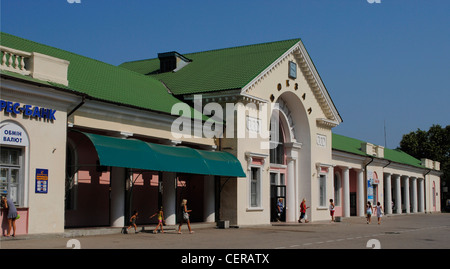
{"x":415,"y":231}
{"x":279,"y":243}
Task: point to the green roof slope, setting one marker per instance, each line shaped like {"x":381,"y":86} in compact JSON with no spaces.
{"x":352,"y":145}
{"x":215,"y":70}
{"x":100,"y":80}
{"x":399,"y":156}
{"x":347,"y":144}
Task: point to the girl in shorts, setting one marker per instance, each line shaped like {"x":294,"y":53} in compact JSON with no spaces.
{"x":160,"y":214}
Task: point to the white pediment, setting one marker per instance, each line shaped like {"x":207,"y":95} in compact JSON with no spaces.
{"x":312,"y":77}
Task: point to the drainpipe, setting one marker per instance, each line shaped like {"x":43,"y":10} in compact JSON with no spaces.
{"x":83,"y":100}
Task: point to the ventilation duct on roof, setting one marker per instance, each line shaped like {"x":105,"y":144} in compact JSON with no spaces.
{"x":172,"y":61}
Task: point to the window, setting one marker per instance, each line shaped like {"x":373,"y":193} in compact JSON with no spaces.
{"x":11,"y":174}
{"x":278,"y":180}
{"x":292,"y":70}
{"x":255,"y":187}
{"x":322,"y":190}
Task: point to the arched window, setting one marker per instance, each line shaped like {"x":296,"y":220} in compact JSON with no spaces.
{"x":276,"y":143}
{"x":14,"y":144}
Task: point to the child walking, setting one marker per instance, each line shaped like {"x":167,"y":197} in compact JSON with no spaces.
{"x":161,"y":220}
{"x":332,"y":210}
{"x":133,"y":221}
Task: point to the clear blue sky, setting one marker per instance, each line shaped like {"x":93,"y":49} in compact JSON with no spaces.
{"x":381,"y":62}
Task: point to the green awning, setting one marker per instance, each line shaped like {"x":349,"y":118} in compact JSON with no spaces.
{"x":131,"y":153}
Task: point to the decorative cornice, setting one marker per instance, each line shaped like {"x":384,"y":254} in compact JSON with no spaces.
{"x":327,"y":123}
{"x":316,"y":84}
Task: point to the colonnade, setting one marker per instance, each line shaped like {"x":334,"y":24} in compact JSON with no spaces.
{"x":401,"y":193}
{"x":410,"y":200}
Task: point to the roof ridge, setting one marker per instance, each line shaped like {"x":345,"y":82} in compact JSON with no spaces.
{"x":219,"y":49}
{"x":244,"y":46}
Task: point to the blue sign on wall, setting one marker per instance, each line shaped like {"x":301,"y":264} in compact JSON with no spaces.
{"x":41,"y":180}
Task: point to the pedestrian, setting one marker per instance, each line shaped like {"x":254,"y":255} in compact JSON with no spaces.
{"x":332,"y":210}
{"x":303,"y":215}
{"x":369,"y":211}
{"x":133,"y":221}
{"x":160,"y":214}
{"x":379,"y":210}
{"x":279,"y":209}
{"x":11,"y":216}
{"x":185,"y":216}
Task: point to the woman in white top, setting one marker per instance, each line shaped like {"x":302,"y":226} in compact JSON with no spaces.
{"x":368,"y":212}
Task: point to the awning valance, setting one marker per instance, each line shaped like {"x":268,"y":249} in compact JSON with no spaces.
{"x":132,"y":153}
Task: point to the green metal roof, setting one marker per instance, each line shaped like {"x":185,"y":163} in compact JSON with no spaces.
{"x":100,"y":80}
{"x":215,"y":70}
{"x":131,"y":153}
{"x":347,"y":144}
{"x":398,"y":156}
{"x":352,"y":145}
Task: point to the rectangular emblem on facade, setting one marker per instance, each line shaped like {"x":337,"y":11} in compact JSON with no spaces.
{"x":321,"y":140}
{"x":41,"y":180}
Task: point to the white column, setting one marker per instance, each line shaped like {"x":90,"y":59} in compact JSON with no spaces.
{"x":406,"y":194}
{"x":290,"y":190}
{"x":292,"y":150}
{"x":398,"y":194}
{"x":421,"y":195}
{"x":117,"y":211}
{"x":387,"y":193}
{"x":169,"y":197}
{"x":346,"y":190}
{"x":414,"y":194}
{"x":360,"y":192}
{"x":209,"y":199}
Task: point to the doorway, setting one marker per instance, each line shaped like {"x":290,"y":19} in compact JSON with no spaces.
{"x":277,"y":195}
{"x":353,"y":204}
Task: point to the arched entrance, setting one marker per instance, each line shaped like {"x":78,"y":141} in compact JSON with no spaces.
{"x":290,"y":156}
{"x":277,"y":172}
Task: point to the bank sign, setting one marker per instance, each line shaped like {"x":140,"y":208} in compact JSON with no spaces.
{"x":27,"y":110}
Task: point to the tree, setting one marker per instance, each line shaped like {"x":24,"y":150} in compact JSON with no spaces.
{"x":433,"y":144}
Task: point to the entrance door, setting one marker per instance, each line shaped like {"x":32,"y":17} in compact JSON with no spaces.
{"x":353,"y":204}
{"x":277,"y":192}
